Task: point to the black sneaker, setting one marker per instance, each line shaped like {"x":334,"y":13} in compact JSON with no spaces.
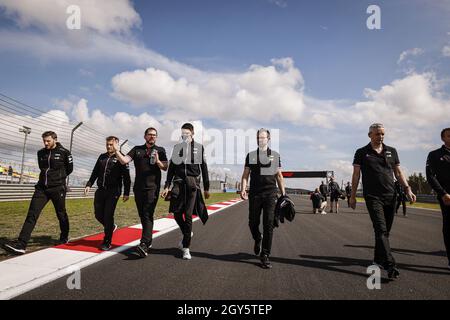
{"x":142,"y":249}
{"x":14,"y":248}
{"x":257,"y":247}
{"x":393,"y":273}
{"x":105,"y":246}
{"x":265,"y":263}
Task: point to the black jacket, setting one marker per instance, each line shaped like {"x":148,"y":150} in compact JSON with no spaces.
{"x":110,"y":173}
{"x":284,"y":209}
{"x":317,"y":198}
{"x":438,"y":171}
{"x":192,"y":165}
{"x":200,"y":209}
{"x":55,"y":165}
{"x":348,"y":190}
{"x":323,"y":189}
{"x":176,"y":195}
{"x":334,"y":188}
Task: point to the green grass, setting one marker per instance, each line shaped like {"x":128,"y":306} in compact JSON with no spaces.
{"x":415,"y":205}
{"x":81,"y":216}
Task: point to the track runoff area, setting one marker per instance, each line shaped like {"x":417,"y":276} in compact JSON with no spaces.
{"x":314,"y":257}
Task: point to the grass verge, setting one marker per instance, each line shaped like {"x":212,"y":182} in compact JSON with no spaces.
{"x":81,"y":217}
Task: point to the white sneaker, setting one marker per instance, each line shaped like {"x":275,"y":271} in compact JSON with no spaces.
{"x":323,"y":212}
{"x":186,"y":254}
{"x":180,"y":244}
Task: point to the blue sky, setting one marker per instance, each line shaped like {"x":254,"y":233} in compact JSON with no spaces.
{"x":327,"y":41}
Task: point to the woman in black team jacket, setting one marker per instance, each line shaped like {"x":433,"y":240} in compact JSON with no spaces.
{"x":55,"y":163}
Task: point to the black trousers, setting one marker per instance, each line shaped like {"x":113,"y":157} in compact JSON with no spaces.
{"x":40,"y":198}
{"x":182,"y":208}
{"x":382,"y":212}
{"x":146,"y":201}
{"x":403,"y":203}
{"x":105,"y":202}
{"x":264,"y":203}
{"x":446,"y":227}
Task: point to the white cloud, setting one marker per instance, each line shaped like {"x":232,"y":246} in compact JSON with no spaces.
{"x":408,"y":53}
{"x":262,"y":93}
{"x":279,"y":3}
{"x":85,"y":73}
{"x":104,"y":17}
{"x":408,"y":107}
{"x":342,"y":170}
{"x":446,"y":51}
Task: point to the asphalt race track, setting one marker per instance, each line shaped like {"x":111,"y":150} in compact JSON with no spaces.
{"x":314,"y":257}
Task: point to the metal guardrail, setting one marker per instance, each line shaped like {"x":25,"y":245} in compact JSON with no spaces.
{"x":423,"y":198}
{"x":25,"y":192}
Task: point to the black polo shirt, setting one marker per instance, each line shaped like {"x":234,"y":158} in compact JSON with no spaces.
{"x":148,"y":176}
{"x":263,"y":170}
{"x":377,"y":170}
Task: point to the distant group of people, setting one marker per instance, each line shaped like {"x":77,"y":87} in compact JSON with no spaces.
{"x":331,"y":190}
{"x":320,"y":195}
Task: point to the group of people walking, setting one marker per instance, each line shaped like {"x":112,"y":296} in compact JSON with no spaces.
{"x":331,"y":190}
{"x":111,"y":173}
{"x":262,"y":181}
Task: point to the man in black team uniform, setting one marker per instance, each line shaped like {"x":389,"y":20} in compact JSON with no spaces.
{"x":348,"y":192}
{"x":401,"y":198}
{"x":263,"y":166}
{"x":55,"y":163}
{"x":438,"y":176}
{"x":149,"y":159}
{"x":323,"y":188}
{"x":378,"y":164}
{"x":110,"y":174}
{"x":186,"y":167}
{"x":335,"y":193}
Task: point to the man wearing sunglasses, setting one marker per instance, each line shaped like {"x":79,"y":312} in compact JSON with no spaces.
{"x":149,"y":159}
